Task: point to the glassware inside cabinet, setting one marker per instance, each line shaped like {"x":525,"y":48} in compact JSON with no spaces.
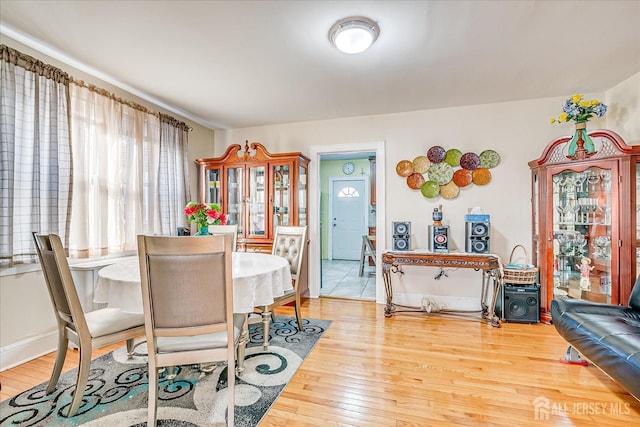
{"x":637,"y":218}
{"x":281,"y":196}
{"x":302,"y":196}
{"x":257,"y":199}
{"x":213,"y":186}
{"x":638,"y":206}
{"x":234,"y":197}
{"x":582,"y":234}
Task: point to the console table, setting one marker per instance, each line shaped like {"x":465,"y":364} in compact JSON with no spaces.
{"x":392,"y":262}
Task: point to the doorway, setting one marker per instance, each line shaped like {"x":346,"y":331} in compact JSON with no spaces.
{"x":319,"y":223}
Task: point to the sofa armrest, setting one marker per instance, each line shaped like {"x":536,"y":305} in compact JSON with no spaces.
{"x":561,"y":306}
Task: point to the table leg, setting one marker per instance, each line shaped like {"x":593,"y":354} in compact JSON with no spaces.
{"x":242,"y":345}
{"x":497,"y":284}
{"x":386,"y":276}
{"x":266,"y":323}
{"x":483,"y":295}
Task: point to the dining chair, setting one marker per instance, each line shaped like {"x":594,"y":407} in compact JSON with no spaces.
{"x":290,"y":242}
{"x":86,"y":330}
{"x":366,"y":251}
{"x":230,"y":229}
{"x":187,"y":297}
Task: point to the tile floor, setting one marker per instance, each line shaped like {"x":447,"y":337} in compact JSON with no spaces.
{"x":340,"y":279}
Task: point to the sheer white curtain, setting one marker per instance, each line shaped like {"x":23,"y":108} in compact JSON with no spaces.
{"x":77,"y":161}
{"x":35,"y":154}
{"x":115,"y":158}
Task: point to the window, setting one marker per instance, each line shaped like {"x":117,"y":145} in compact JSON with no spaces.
{"x":348,"y":192}
{"x":97,"y":170}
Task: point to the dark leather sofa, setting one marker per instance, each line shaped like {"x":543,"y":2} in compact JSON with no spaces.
{"x":607,"y":335}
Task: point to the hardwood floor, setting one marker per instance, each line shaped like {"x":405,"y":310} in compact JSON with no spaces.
{"x":28,"y":375}
{"x":415,"y":370}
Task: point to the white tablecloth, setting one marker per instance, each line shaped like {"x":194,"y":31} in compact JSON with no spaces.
{"x":257,"y":280}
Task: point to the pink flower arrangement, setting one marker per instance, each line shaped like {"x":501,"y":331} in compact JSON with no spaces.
{"x":205,"y":214}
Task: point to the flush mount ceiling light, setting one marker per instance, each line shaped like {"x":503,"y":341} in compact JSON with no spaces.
{"x":354,"y":34}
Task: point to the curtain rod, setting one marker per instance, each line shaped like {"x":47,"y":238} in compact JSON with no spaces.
{"x":34,"y":65}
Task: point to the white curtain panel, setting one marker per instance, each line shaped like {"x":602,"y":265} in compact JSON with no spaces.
{"x":115,"y":156}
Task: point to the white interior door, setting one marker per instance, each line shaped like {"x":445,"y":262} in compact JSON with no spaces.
{"x":349,"y":202}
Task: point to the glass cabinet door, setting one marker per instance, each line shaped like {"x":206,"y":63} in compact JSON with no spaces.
{"x":281,"y":196}
{"x":302,"y":196}
{"x":637,"y":218}
{"x":535,"y":190}
{"x":213,"y":177}
{"x":256,"y":201}
{"x":234,"y":197}
{"x":582,"y":214}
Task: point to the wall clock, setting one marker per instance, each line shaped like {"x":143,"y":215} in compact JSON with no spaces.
{"x":348,"y":168}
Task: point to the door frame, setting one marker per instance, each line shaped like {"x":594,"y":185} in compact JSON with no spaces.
{"x":332,"y":180}
{"x":315,"y":267}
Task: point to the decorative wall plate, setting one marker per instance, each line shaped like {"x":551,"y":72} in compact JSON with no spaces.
{"x":481,"y":176}
{"x":404,"y":168}
{"x":441,"y":173}
{"x":470,"y":161}
{"x":449,"y":190}
{"x":436,"y":154}
{"x":453,"y":157}
{"x":430,"y":189}
{"x":415,"y":181}
{"x":489,"y":159}
{"x":421,"y":164}
{"x":462,"y":177}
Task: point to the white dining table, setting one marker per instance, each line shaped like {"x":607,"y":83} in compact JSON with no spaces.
{"x":257,"y":280}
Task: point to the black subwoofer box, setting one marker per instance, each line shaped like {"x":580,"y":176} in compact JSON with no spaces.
{"x":519,"y":303}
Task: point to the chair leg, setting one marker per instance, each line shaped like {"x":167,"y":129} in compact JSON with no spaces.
{"x":130,"y":348}
{"x":362,"y":258}
{"x":61,"y":354}
{"x":81,"y":381}
{"x":231,"y":381}
{"x":266,"y":324}
{"x":152,"y":408}
{"x":297,"y":308}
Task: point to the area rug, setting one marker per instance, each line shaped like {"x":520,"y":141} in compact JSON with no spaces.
{"x":117,"y":390}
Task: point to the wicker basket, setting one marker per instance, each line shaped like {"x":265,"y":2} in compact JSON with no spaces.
{"x":519,"y":276}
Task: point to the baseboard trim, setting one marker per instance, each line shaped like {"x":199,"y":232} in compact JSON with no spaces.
{"x":28,"y":349}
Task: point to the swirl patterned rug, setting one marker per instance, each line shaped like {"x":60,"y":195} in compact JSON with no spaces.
{"x":118,"y":388}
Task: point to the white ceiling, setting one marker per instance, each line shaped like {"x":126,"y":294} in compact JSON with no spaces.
{"x":232,"y":64}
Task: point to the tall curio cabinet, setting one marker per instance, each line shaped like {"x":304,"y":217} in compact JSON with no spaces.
{"x":257,"y":190}
{"x":586,"y":220}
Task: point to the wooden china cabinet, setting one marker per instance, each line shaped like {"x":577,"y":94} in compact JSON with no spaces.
{"x":258,"y":191}
{"x":586,"y":220}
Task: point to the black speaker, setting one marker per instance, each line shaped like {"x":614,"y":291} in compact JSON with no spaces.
{"x":401,"y":228}
{"x":477,"y":237}
{"x":438,"y":238}
{"x":402,"y":242}
{"x":519,"y":303}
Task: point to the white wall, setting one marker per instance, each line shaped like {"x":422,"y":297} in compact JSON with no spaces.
{"x":518,"y":131}
{"x":624,"y":109}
